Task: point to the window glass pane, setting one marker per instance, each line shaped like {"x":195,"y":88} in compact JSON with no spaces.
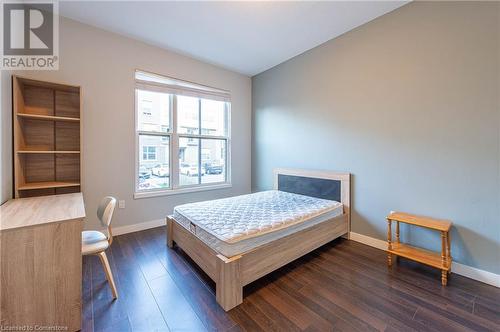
{"x":187,"y":115}
{"x":154,"y":166}
{"x":153,"y":111}
{"x":188,"y":161}
{"x":213,"y":160}
{"x":213,"y":117}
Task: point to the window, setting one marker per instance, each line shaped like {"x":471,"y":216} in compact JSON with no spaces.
{"x":149,"y":153}
{"x":183,"y":139}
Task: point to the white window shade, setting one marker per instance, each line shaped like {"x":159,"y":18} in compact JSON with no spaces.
{"x":150,"y":81}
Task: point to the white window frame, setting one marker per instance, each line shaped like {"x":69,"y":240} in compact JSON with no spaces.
{"x":174,"y":136}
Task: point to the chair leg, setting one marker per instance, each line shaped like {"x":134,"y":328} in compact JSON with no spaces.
{"x":109,"y":275}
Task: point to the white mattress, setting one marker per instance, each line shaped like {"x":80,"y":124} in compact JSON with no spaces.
{"x":235,"y":225}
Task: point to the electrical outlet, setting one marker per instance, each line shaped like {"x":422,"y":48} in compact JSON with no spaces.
{"x":121,"y":204}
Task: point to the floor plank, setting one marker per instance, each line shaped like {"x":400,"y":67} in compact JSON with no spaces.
{"x":342,"y":286}
{"x":87,"y":290}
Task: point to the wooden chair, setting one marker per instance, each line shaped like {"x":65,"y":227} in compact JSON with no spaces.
{"x":95,"y":242}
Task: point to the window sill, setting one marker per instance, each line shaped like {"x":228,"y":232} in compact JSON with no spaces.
{"x":178,"y":191}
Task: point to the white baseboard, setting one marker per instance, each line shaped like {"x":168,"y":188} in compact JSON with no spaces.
{"x":138,"y":227}
{"x":369,"y":241}
{"x":464,"y":270}
{"x":476,"y":274}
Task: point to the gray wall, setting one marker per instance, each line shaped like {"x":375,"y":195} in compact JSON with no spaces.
{"x":103,"y":63}
{"x":407,"y":103}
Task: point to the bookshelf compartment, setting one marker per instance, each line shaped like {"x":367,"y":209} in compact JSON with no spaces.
{"x":67,"y":136}
{"x":67,"y":168}
{"x":38,"y":100}
{"x":36,"y":135}
{"x":47,"y":174}
{"x":67,"y":190}
{"x":36,"y":192}
{"x":67,"y":104}
{"x":38,"y":168}
{"x":48,"y":188}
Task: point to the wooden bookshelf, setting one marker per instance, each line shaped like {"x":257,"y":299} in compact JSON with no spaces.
{"x":47,"y":137}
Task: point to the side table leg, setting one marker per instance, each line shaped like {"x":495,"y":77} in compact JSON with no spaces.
{"x":389,"y":244}
{"x":449,"y":249}
{"x":444,"y":258}
{"x":397,"y":231}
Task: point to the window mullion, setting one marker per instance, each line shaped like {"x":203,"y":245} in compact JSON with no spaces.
{"x":152,"y":133}
{"x":199,"y":141}
{"x":174,"y":150}
{"x":203,"y":136}
{"x":227,"y":109}
{"x":138,"y":150}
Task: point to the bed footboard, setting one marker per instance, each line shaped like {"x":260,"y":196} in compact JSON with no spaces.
{"x":230,"y":274}
{"x":225,"y":272}
{"x":269,"y":257}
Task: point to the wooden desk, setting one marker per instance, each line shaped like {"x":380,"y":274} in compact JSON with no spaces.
{"x":41,"y":264}
{"x":441,"y":261}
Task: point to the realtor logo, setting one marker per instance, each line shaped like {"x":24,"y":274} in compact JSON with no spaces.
{"x":30,"y":35}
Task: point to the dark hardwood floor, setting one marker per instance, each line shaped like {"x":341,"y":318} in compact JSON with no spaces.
{"x":343,"y":285}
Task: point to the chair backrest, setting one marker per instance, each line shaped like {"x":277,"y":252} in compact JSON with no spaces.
{"x":105,"y":214}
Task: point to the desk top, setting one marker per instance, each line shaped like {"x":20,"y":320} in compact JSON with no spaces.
{"x":26,"y":212}
{"x":436,"y":224}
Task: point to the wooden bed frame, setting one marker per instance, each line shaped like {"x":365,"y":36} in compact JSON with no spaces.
{"x":232,"y":273}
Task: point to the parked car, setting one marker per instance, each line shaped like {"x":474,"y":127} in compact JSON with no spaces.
{"x":213,"y":168}
{"x":144,"y":173}
{"x":190,"y":169}
{"x":161,"y":170}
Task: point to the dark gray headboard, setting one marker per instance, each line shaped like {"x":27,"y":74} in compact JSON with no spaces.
{"x":322,"y":184}
{"x":309,"y":186}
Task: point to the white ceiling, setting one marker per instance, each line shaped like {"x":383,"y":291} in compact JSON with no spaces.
{"x":247,"y":37}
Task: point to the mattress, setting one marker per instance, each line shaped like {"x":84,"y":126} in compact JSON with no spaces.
{"x":235,"y":225}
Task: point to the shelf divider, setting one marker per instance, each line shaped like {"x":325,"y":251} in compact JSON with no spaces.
{"x":47,"y":185}
{"x":46,"y":152}
{"x":47,"y":117}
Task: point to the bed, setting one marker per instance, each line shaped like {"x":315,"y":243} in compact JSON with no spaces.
{"x":240,"y":239}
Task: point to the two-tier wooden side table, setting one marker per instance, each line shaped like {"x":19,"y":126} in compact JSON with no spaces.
{"x":440,"y":261}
